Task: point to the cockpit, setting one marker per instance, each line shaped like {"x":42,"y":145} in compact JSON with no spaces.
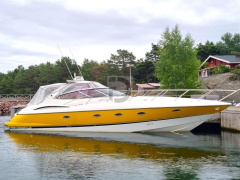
{"x":86,"y":90}
{"x":75,"y":90}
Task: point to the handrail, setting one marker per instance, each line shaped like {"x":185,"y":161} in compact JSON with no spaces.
{"x":230,"y":94}
{"x":207,"y":93}
{"x":183,"y":94}
{"x":203,"y":95}
{"x":200,"y":94}
{"x":162,"y":93}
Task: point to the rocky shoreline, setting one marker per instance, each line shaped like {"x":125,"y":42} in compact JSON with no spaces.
{"x":222,"y":81}
{"x":5,"y":106}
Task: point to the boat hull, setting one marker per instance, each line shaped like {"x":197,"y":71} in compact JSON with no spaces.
{"x":116,"y":117}
{"x":182,"y":124}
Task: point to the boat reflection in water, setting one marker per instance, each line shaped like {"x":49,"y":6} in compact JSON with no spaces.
{"x":119,"y":155}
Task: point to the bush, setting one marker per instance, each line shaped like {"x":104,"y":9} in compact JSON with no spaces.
{"x":221,"y":69}
{"x":236,"y":74}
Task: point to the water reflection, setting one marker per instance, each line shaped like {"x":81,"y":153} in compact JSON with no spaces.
{"x":136,"y":145}
{"x":120,"y":156}
{"x":230,"y":140}
{"x":94,"y":155}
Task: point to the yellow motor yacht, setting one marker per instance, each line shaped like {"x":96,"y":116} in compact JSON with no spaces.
{"x":88,"y":106}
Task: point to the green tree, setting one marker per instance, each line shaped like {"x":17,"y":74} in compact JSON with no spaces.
{"x":87,"y":68}
{"x":46,"y":75}
{"x":144,"y":73}
{"x":61,"y":70}
{"x":207,"y":49}
{"x":32,"y":74}
{"x":7,"y":85}
{"x":121,"y":60}
{"x":20,"y":80}
{"x":2,"y":76}
{"x":99,"y":73}
{"x":153,"y":55}
{"x":178,"y":64}
{"x":230,"y":44}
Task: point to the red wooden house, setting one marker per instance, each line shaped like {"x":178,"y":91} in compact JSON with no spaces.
{"x":214,"y":61}
{"x":148,"y":86}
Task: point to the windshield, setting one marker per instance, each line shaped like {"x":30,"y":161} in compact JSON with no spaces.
{"x":98,"y":85}
{"x":75,"y":87}
{"x":77,"y":90}
{"x":86,"y":90}
{"x":90,"y":93}
{"x":43,"y":92}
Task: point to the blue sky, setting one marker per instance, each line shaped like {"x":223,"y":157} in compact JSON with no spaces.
{"x":31,"y":30}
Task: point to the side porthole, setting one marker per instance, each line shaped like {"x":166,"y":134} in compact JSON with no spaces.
{"x":118,"y":114}
{"x":66,"y":117}
{"x":141,"y":113}
{"x":217,"y":108}
{"x":176,"y":110}
{"x":96,"y":115}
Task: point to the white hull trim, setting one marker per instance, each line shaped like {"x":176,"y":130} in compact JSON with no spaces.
{"x":170,"y":125}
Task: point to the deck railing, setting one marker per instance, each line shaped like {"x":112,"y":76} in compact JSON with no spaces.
{"x":211,"y":94}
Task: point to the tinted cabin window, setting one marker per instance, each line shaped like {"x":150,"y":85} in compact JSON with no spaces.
{"x":88,"y":93}
{"x":111,"y":92}
{"x":93,"y":93}
{"x":98,"y":85}
{"x":72,"y":95}
{"x":75,"y":87}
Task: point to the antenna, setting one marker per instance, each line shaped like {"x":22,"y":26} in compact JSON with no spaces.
{"x":65,"y":61}
{"x":76,"y":62}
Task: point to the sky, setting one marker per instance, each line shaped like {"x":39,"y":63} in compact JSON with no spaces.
{"x":39,"y":31}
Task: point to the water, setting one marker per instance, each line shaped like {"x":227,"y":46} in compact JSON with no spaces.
{"x":119,"y":156}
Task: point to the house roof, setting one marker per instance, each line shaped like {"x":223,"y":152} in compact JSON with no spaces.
{"x":155,"y":84}
{"x":231,"y":59}
{"x":145,"y":86}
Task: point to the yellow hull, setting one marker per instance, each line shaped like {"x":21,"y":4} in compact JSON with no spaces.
{"x":109,"y":117}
